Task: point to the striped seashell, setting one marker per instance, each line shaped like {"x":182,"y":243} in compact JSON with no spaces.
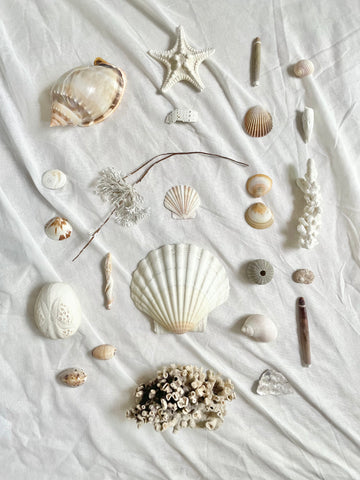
{"x":73,"y":377}
{"x":58,"y":228}
{"x":258,"y":122}
{"x":303,"y":68}
{"x":182,"y":201}
{"x":259,"y":216}
{"x":87,"y":95}
{"x":260,"y":271}
{"x":53,"y":179}
{"x":258,"y":185}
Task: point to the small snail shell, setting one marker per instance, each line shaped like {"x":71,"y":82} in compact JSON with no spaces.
{"x":104,"y":352}
{"x":260,"y":328}
{"x":73,"y":377}
{"x":303,"y":68}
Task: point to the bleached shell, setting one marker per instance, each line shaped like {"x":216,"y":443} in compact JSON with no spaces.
{"x":307,"y":123}
{"x":104,"y":352}
{"x":58,"y":228}
{"x":303,"y":68}
{"x":54,"y":179}
{"x":57,"y":311}
{"x":178,"y":286}
{"x":260,"y":271}
{"x":258,"y":185}
{"x":260,"y":328}
{"x":259,"y":216}
{"x":73,"y":377}
{"x":87,"y":95}
{"x":182,"y":201}
{"x":303,"y":275}
{"x":258,"y":122}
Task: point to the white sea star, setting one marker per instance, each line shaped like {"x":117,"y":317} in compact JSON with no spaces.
{"x":182,"y":62}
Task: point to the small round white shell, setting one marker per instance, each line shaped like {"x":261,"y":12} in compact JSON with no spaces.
{"x":258,"y":185}
{"x":259,"y":216}
{"x":303,"y":68}
{"x":260,"y":328}
{"x":58,"y":228}
{"x":53,"y":179}
{"x":73,"y":377}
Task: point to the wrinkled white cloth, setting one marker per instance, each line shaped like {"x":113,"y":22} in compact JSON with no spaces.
{"x":50,"y":431}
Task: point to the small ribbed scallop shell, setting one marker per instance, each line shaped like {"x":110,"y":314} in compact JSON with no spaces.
{"x":104,"y":352}
{"x":303,"y":68}
{"x":259,"y":216}
{"x":178,"y":286}
{"x":182,"y":201}
{"x":257,"y":122}
{"x":54,"y":179}
{"x":58,"y":228}
{"x":73,"y":377}
{"x":260,"y":271}
{"x":258,"y":185}
{"x":87,"y":95}
{"x":260,"y":328}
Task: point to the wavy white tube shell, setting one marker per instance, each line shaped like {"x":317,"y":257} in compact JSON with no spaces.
{"x":307,"y":123}
{"x":182,"y":201}
{"x":87,"y":95}
{"x":260,"y":328}
{"x":58,"y":229}
{"x":178,"y":286}
{"x":57,"y":311}
{"x":54,"y":179}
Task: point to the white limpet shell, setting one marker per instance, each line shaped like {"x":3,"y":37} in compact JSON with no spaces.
{"x":259,"y":216}
{"x":260,"y":328}
{"x":178,"y":286}
{"x":303,"y":68}
{"x":258,"y":185}
{"x":87,"y":95}
{"x":258,"y":122}
{"x":182,"y":201}
{"x":308,"y":123}
{"x":57,"y":311}
{"x":73,"y":377}
{"x":53,"y":179}
{"x":272,"y":382}
{"x":58,"y":228}
{"x":303,"y":275}
{"x":104,"y":352}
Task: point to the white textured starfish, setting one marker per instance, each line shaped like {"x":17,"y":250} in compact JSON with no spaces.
{"x":182,"y":62}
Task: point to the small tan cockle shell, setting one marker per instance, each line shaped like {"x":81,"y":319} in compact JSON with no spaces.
{"x":258,"y":122}
{"x":87,"y":95}
{"x":104,"y":352}
{"x":53,"y":179}
{"x":73,"y":377}
{"x":303,"y":68}
{"x":258,"y":185}
{"x":259,"y":216}
{"x":303,"y":275}
{"x":260,"y":328}
{"x":58,"y":228}
{"x":182,"y":201}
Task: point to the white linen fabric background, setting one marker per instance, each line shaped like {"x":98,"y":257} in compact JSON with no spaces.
{"x":50,"y":431}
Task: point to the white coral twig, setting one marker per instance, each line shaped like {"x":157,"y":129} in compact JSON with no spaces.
{"x":109,"y":282}
{"x":309,"y":223}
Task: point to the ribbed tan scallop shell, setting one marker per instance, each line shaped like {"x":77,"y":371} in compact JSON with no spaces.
{"x":258,"y":185}
{"x":259,"y":216}
{"x":182,"y":201}
{"x":257,"y":122}
{"x":87,"y":95}
{"x":303,"y":68}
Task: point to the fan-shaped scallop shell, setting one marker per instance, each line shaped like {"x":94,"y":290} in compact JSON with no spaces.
{"x":260,"y":271}
{"x":182,"y":201}
{"x":258,"y":122}
{"x":303,"y":68}
{"x":259,"y":216}
{"x":53,"y":179}
{"x":58,"y":228}
{"x":178,"y":286}
{"x":87,"y":95}
{"x":258,"y":185}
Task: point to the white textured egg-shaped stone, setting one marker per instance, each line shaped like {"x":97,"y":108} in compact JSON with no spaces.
{"x":57,"y":311}
{"x":54,"y":179}
{"x":58,"y":228}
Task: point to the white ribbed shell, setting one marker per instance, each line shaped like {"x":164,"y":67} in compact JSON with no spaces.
{"x":178,"y":286}
{"x":87,"y":95}
{"x":182,"y":201}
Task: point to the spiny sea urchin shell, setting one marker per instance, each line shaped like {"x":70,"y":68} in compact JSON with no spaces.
{"x":260,"y":271}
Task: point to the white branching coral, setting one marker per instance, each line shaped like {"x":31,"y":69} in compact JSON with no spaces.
{"x":309,"y":223}
{"x":127,"y":202}
{"x":182,"y":396}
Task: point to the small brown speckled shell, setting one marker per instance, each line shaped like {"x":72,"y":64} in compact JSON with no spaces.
{"x":104,"y":352}
{"x":303,"y":275}
{"x":73,"y":377}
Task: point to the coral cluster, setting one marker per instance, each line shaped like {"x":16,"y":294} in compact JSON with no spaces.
{"x":182,"y":396}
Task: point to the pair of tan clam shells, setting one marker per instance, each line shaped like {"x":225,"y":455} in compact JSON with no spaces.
{"x":259,"y":215}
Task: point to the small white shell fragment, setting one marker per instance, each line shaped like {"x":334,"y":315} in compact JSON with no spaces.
{"x":303,"y":68}
{"x":57,"y":311}
{"x":185,"y":115}
{"x":104,"y":352}
{"x":58,"y":228}
{"x":182,"y":201}
{"x":73,"y":377}
{"x":308,"y":123}
{"x":53,"y":179}
{"x":273,"y":382}
{"x":258,"y":185}
{"x":259,"y":216}
{"x":260,"y":328}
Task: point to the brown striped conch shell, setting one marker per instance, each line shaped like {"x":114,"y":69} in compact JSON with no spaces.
{"x":58,"y":228}
{"x":258,"y":185}
{"x":259,"y":216}
{"x":303,"y":68}
{"x":258,"y":122}
{"x":104,"y":352}
{"x":182,"y":201}
{"x":87,"y":95}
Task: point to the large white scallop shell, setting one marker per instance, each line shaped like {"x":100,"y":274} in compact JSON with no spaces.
{"x":303,"y":68}
{"x":259,"y":216}
{"x":57,"y":311}
{"x":258,"y":122}
{"x":87,"y":95}
{"x":260,"y":328}
{"x":54,"y":179}
{"x":182,"y":201}
{"x":58,"y":229}
{"x":178,"y":286}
